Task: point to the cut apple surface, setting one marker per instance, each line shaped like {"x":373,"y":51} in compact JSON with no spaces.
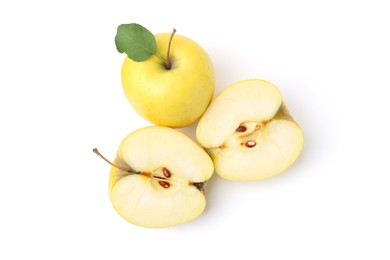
{"x":249,"y":133}
{"x":158,"y":177}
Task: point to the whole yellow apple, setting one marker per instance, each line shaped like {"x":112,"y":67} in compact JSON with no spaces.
{"x":174,"y":97}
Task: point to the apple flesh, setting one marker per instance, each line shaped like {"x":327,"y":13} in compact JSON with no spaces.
{"x":174,"y":97}
{"x":158,"y":178}
{"x":249,"y":133}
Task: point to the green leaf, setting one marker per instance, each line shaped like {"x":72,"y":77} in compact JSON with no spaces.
{"x":136,"y":41}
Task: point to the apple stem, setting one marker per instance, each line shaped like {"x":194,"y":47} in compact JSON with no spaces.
{"x":95,"y":150}
{"x":169,"y":64}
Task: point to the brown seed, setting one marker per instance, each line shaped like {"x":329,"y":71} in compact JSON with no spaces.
{"x":164,"y":184}
{"x":166,"y":172}
{"x":241,"y":128}
{"x":250,"y":144}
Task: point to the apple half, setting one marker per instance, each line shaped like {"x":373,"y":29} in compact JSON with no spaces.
{"x":158,"y":177}
{"x":249,"y":133}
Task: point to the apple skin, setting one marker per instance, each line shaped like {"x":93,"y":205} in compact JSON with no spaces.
{"x":175,"y":97}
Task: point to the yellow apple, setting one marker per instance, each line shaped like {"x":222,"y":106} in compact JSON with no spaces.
{"x":174,"y":97}
{"x":249,"y":133}
{"x":158,"y":177}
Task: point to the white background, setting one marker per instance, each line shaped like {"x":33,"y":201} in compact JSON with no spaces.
{"x":61,"y":96}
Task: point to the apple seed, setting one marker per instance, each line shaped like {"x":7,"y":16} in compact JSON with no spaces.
{"x":241,"y":128}
{"x":166,"y":172}
{"x":164,"y":184}
{"x":250,"y":144}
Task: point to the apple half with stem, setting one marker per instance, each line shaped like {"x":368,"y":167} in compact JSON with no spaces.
{"x":157,"y":178}
{"x":249,"y":133}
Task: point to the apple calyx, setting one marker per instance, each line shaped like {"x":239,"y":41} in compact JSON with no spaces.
{"x":162,"y":180}
{"x":199,"y":185}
